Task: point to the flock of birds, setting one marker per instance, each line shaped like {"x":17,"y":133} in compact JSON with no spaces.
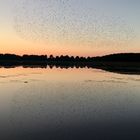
{"x":64,"y":21}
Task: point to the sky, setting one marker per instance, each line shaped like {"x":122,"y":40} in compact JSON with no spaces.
{"x":73,"y":27}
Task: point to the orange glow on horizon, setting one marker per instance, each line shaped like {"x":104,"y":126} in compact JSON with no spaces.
{"x":11,"y":43}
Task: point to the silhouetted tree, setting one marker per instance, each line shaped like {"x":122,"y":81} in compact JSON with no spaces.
{"x":77,"y":58}
{"x":51,"y":58}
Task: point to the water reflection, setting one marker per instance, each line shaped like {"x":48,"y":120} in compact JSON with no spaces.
{"x":68,"y":104}
{"x":109,"y":67}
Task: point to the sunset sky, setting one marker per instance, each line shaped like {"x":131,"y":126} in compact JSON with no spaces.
{"x":73,"y":27}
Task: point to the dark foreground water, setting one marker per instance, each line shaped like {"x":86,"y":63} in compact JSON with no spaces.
{"x":68,"y":104}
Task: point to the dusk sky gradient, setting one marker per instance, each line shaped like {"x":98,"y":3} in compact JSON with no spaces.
{"x":73,"y":27}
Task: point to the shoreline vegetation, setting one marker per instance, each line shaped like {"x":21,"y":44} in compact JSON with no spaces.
{"x":119,"y":63}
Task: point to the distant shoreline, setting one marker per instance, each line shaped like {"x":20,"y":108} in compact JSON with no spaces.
{"x":119,"y":63}
{"x":120,"y":57}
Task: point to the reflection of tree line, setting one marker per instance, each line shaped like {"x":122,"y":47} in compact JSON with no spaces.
{"x":122,"y":63}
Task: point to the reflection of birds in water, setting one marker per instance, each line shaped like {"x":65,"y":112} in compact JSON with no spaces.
{"x":50,"y":21}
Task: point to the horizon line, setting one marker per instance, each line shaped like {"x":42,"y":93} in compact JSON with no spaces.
{"x":68,"y":55}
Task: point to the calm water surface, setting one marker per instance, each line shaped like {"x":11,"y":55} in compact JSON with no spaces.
{"x":68,"y":103}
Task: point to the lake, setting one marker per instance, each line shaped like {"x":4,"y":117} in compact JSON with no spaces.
{"x":45,"y":103}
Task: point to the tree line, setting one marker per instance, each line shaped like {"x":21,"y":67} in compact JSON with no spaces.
{"x":10,"y":57}
{"x":123,"y":57}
